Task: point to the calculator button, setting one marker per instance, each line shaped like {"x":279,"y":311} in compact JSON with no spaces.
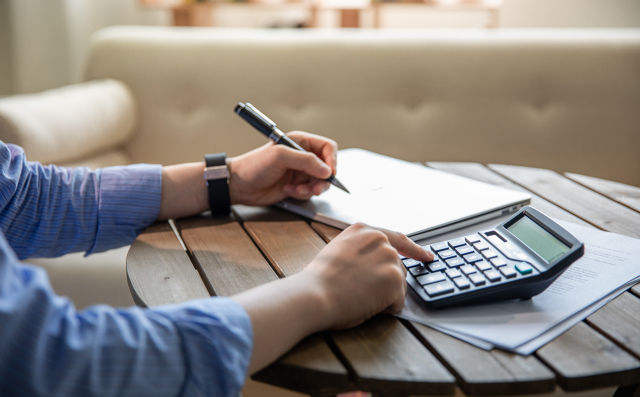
{"x":453,"y":273}
{"x":410,"y":262}
{"x":455,"y":262}
{"x":436,"y":266}
{"x":447,"y":254}
{"x":445,"y":287}
{"x":473,"y":239}
{"x":498,"y":262}
{"x":507,"y":271}
{"x":492,"y":275}
{"x":477,"y":279}
{"x":418,"y":270}
{"x":462,"y":282}
{"x":431,"y":278}
{"x":468,"y":269}
{"x":464,"y":249}
{"x":481,"y":246}
{"x":483,"y":266}
{"x":471,"y":258}
{"x":439,"y":247}
{"x":490,"y":253}
{"x":457,"y":242}
{"x":524,"y":268}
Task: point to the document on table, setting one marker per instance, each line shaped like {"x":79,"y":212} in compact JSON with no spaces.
{"x":610,"y":265}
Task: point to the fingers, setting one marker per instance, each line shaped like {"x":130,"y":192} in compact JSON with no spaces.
{"x":306,"y":162}
{"x":406,"y":246}
{"x":326,"y":149}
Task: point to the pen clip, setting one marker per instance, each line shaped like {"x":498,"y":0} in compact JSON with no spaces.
{"x":255,"y":117}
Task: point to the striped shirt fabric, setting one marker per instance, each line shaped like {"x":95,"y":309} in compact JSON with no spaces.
{"x":47,"y":347}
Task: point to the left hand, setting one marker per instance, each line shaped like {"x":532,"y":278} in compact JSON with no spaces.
{"x":273,"y":172}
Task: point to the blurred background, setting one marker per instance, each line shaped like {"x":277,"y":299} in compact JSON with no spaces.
{"x":43,"y":43}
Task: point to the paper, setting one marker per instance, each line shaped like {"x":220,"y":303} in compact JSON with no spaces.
{"x":610,"y":265}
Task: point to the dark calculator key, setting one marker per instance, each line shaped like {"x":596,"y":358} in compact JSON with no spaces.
{"x":524,"y":268}
{"x":418,"y":270}
{"x":410,"y":262}
{"x":462,"y":282}
{"x":490,"y":253}
{"x":473,"y":239}
{"x":436,"y":266}
{"x":453,"y":273}
{"x":464,"y":249}
{"x":455,"y":262}
{"x":457,"y":242}
{"x":439,"y":247}
{"x":477,"y":279}
{"x":492,"y":275}
{"x":447,"y":254}
{"x":471,"y":258}
{"x":481,"y":246}
{"x":507,"y":271}
{"x":445,"y":287}
{"x":431,"y":278}
{"x":468,"y":269}
{"x":497,"y":262}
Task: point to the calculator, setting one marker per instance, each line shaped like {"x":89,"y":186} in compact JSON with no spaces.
{"x":516,"y":260}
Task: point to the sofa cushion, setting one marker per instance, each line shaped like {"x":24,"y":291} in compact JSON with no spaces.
{"x":69,"y":123}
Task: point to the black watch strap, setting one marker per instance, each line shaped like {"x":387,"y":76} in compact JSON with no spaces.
{"x":216,"y":174}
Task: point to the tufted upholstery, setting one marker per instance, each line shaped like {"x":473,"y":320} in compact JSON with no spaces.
{"x":567,"y":100}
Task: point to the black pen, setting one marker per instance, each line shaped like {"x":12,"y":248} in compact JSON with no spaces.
{"x":263,"y":124}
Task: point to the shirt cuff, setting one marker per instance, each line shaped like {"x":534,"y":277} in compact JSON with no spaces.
{"x":128,"y":201}
{"x":217,"y":339}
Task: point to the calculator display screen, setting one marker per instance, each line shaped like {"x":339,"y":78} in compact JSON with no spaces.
{"x":539,"y":240}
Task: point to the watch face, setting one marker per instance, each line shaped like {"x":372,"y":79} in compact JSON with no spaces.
{"x":216,"y":172}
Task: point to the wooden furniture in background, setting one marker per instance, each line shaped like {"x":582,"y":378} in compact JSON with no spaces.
{"x":387,"y":356}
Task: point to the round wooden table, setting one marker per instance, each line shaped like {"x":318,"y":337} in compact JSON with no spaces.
{"x":202,"y":256}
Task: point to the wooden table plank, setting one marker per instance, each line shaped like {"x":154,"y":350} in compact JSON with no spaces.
{"x":399,"y":375}
{"x":624,"y":312}
{"x":481,"y":173}
{"x":225,"y":254}
{"x":159,"y":270}
{"x":481,"y":372}
{"x":589,"y":360}
{"x":625,"y":194}
{"x":588,"y":205}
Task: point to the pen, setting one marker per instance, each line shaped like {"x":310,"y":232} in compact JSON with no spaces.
{"x":267,"y":127}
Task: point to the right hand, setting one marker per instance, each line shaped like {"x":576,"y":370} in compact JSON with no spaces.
{"x":359,"y":274}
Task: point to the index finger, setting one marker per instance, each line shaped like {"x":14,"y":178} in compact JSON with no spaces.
{"x":326,"y":149}
{"x":405,"y":246}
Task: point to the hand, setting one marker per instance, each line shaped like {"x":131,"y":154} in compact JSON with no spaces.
{"x":359,"y":274}
{"x":273,"y":172}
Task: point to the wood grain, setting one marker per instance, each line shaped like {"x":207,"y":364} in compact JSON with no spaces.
{"x":625,"y":194}
{"x":588,"y":205}
{"x":481,"y":173}
{"x":159,"y":270}
{"x":481,"y":372}
{"x":624,"y":313}
{"x":588,"y":360}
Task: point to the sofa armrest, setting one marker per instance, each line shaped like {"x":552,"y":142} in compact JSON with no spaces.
{"x":69,"y":123}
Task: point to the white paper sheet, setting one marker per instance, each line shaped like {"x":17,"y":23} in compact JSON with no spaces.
{"x":610,"y":261}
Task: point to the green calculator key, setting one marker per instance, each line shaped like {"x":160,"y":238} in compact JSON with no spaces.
{"x":524,"y":268}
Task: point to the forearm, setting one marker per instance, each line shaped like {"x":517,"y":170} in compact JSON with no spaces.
{"x":282,"y":313}
{"x":184,"y":190}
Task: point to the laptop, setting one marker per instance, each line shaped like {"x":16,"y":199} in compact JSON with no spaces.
{"x":407,"y":197}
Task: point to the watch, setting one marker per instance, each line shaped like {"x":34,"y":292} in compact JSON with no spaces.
{"x":216,"y":173}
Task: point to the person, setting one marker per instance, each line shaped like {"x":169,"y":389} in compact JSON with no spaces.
{"x":202,"y":347}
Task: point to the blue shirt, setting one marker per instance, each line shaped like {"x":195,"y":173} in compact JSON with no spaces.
{"x":47,"y":347}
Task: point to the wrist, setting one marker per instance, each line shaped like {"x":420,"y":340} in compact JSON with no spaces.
{"x":216,"y":175}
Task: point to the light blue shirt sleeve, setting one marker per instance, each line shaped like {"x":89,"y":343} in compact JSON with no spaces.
{"x":47,"y":348}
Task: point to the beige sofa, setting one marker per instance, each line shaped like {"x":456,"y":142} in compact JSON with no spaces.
{"x":562,"y":99}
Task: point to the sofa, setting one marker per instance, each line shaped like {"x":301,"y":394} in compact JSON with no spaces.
{"x":567,"y":100}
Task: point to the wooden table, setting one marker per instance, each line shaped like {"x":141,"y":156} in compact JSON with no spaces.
{"x":391,"y":357}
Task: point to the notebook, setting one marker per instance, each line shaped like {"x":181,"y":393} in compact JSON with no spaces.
{"x":407,"y":197}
